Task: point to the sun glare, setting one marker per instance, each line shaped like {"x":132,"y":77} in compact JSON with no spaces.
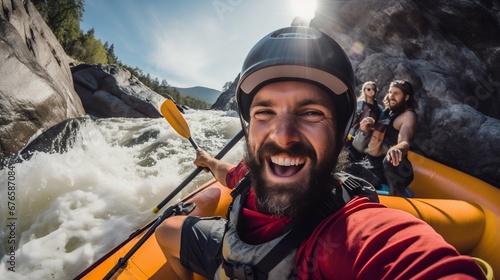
{"x":304,"y":8}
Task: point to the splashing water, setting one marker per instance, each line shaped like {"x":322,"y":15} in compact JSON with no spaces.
{"x":70,"y":209}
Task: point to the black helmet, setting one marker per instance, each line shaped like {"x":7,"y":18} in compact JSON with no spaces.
{"x":300,"y":53}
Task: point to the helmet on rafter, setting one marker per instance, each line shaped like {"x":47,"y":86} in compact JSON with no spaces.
{"x":302,"y":54}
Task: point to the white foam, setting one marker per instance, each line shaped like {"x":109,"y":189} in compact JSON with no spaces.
{"x":74,"y":207}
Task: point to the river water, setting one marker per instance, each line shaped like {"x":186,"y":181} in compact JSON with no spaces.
{"x":61,"y":212}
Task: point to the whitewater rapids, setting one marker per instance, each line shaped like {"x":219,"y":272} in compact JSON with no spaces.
{"x":72,"y":208}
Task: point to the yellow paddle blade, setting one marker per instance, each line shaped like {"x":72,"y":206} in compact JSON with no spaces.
{"x":175,"y":118}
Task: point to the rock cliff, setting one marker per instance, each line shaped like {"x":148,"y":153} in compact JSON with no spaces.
{"x":226,"y":100}
{"x":449,"y":50}
{"x":36,"y":89}
{"x":111,"y":91}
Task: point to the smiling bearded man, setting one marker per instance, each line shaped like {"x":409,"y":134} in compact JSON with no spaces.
{"x":293,"y":166}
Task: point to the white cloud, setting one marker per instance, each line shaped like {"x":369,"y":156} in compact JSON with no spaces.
{"x":208,"y":51}
{"x":187,"y":51}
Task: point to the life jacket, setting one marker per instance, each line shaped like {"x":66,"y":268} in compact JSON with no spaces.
{"x":363,"y":110}
{"x":384,"y":135}
{"x":275,"y":259}
{"x":360,"y":114}
{"x":391,"y":134}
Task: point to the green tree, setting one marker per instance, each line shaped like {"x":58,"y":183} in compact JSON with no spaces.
{"x":226,"y":86}
{"x":110,"y":54}
{"x":63,"y":17}
{"x":89,"y":49}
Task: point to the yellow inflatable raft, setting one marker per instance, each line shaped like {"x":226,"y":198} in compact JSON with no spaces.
{"x":463,"y":209}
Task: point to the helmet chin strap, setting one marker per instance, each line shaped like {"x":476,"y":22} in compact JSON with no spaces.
{"x":244,"y":126}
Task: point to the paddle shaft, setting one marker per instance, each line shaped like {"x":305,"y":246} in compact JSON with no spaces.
{"x":172,"y":210}
{"x":191,"y":176}
{"x":195,"y":146}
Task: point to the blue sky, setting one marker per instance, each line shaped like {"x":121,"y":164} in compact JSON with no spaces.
{"x":188,"y":43}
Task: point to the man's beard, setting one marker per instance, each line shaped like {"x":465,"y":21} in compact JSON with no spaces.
{"x":289,"y":200}
{"x":398,"y":107}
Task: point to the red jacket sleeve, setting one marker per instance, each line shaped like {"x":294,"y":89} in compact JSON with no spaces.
{"x":235,"y":174}
{"x":366,"y":240}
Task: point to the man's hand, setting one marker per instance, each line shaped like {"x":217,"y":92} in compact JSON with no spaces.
{"x":209,"y":163}
{"x":202,"y":159}
{"x":367,"y":124}
{"x":394,"y":156}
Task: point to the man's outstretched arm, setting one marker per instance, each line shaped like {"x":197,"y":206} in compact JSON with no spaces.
{"x":218,"y":168}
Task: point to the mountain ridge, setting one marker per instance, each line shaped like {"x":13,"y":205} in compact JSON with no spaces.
{"x":202,"y":93}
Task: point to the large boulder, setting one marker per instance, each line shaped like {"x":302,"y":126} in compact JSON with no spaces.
{"x":449,"y":50}
{"x":36,"y":88}
{"x":57,"y":139}
{"x":227,"y":100}
{"x":111,"y":91}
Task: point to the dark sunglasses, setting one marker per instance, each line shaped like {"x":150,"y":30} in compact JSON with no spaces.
{"x":369,"y":89}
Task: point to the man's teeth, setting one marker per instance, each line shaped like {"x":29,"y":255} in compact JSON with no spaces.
{"x":287,"y":161}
